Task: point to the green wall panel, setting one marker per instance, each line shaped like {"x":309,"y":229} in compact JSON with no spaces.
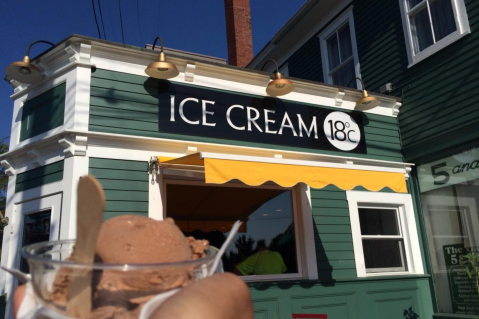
{"x":439,"y":111}
{"x":39,"y":176}
{"x":127,"y":104}
{"x":365,"y":299}
{"x":43,"y":112}
{"x":125,"y":184}
{"x":439,"y":115}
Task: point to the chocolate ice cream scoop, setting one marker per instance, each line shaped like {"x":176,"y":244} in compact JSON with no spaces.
{"x":133,"y":239}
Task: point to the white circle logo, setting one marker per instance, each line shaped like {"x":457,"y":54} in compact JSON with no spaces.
{"x":342,"y":131}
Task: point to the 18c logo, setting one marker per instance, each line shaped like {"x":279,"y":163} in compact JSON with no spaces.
{"x":342,"y":131}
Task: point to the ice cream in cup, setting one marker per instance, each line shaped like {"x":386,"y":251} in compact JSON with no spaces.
{"x":128,"y":264}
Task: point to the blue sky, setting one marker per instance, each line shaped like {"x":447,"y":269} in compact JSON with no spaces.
{"x":189,"y":25}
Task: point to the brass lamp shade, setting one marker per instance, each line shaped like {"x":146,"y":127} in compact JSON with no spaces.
{"x":367,"y":102}
{"x":24,"y":72}
{"x":279,"y":86}
{"x":162,"y":69}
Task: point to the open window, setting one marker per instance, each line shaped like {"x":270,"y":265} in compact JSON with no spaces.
{"x":276,"y":239}
{"x":384,"y":232}
{"x":269,"y":243}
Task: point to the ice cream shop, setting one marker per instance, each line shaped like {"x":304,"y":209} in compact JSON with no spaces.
{"x":314,"y":171}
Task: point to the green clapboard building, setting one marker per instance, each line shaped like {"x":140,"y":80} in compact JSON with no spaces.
{"x":366,"y":211}
{"x":424,"y":52}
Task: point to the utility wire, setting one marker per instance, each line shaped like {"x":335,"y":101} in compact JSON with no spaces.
{"x":158,"y":17}
{"x":96,"y":20}
{"x":5,"y":138}
{"x":139,"y":22}
{"x":110,"y":20}
{"x":101,"y":18}
{"x":121,"y":21}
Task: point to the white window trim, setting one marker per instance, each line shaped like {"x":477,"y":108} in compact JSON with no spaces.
{"x":403,"y":202}
{"x":463,"y":28}
{"x":302,"y":210}
{"x":346,"y":16}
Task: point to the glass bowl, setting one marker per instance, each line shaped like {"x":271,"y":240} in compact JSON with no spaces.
{"x":117,"y":289}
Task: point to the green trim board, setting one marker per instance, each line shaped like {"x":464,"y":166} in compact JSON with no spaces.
{"x":43,"y":112}
{"x":125,"y":184}
{"x":128,"y":104}
{"x":39,"y":176}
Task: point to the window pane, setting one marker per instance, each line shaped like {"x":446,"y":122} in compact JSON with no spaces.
{"x":378,"y":221}
{"x":451,"y":216}
{"x":333,"y":52}
{"x":36,"y":229}
{"x":442,"y":18}
{"x":345,"y":46}
{"x":266,"y":243}
{"x":421,"y":30}
{"x":412,"y":3}
{"x":383,"y":255}
{"x":344,"y":74}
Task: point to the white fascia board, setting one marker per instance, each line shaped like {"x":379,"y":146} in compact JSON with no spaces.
{"x":215,"y":76}
{"x":351,"y":165}
{"x":110,"y":145}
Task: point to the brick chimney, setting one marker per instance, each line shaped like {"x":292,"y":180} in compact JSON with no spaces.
{"x":238,"y":32}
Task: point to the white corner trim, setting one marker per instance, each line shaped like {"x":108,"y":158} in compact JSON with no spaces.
{"x":310,"y":266}
{"x":190,"y":71}
{"x":191,"y":149}
{"x":339,"y":98}
{"x":9,"y":170}
{"x":74,"y":145}
{"x":395,"y":108}
{"x":403,"y":202}
{"x":35,"y":157}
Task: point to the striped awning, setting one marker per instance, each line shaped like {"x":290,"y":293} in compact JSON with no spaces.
{"x":255,"y":171}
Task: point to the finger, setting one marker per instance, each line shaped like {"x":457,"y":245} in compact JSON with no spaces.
{"x":222,"y":296}
{"x":18,"y":296}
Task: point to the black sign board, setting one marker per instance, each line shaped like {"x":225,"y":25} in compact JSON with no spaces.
{"x":197,"y":111}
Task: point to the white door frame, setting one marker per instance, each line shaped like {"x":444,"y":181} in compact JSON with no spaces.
{"x":51,"y":202}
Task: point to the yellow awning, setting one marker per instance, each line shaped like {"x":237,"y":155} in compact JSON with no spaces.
{"x":288,"y":173}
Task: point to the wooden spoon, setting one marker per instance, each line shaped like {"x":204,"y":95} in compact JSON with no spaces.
{"x":90,"y":207}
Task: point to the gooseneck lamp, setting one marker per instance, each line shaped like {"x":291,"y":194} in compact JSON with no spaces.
{"x":24,"y":71}
{"x":161,"y":69}
{"x":278,"y":86}
{"x":366,"y":102}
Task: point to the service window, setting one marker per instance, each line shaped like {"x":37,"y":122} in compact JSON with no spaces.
{"x":266,"y":246}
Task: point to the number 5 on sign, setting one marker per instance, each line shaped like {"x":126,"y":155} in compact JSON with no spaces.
{"x":342,"y":131}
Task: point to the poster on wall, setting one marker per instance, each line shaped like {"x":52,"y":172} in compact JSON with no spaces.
{"x":464,"y":295}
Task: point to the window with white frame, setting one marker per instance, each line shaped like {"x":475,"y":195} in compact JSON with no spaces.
{"x":275,"y":240}
{"x":384,"y":232}
{"x":339,"y":52}
{"x":430,"y":25}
